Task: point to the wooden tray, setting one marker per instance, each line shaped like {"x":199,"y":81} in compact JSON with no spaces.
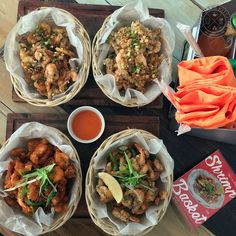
{"x":113,"y":124}
{"x":92,"y":17}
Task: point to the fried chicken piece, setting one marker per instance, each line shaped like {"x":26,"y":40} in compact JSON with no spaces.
{"x":140,"y":209}
{"x":45,"y":27}
{"x":66,"y":52}
{"x":62,"y":206}
{"x":144,"y":169}
{"x":32,"y":143}
{"x":41,"y":153}
{"x":20,"y":153}
{"x":124,"y":215}
{"x":152,"y":173}
{"x":10,"y":170}
{"x":25,"y":208}
{"x":158,"y":165}
{"x":61,"y":191}
{"x":52,"y":75}
{"x":33,"y":190}
{"x":47,"y":191}
{"x":49,"y":161}
{"x":61,"y":159}
{"x":121,"y":214}
{"x":70,"y":171}
{"x":104,"y":193}
{"x":33,"y":38}
{"x":133,"y":198}
{"x":11,"y":201}
{"x":135,"y":164}
{"x":12,"y":180}
{"x":21,"y":167}
{"x":57,"y":174}
{"x":40,"y":87}
{"x":151,"y":195}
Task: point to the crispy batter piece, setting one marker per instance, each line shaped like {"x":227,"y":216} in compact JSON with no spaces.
{"x":137,"y":173}
{"x":44,"y":55}
{"x":38,"y":154}
{"x":135,"y":56}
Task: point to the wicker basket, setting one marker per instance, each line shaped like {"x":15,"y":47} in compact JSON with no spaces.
{"x":84,"y":71}
{"x":62,"y":218}
{"x":97,"y":72}
{"x":105,"y":224}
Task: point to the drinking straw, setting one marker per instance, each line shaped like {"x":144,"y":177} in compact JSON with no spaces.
{"x":186,"y":31}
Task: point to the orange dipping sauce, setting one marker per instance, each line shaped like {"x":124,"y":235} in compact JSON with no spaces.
{"x":86,"y":125}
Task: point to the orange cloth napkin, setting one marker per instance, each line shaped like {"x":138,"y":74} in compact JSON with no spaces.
{"x":206,"y":96}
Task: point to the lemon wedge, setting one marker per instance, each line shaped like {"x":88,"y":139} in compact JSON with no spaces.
{"x":113,"y":185}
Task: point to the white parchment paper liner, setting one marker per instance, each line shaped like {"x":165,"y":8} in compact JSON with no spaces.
{"x":27,"y":24}
{"x":149,"y":219}
{"x":124,"y":17}
{"x":13,"y":218}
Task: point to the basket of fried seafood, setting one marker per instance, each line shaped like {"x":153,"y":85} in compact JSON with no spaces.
{"x":40,"y":180}
{"x":48,"y":56}
{"x":129,"y":183}
{"x":131,"y":53}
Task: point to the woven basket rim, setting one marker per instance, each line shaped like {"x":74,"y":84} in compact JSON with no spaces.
{"x":96,"y":71}
{"x":63,"y":217}
{"x":84,"y":67}
{"x":104,"y":223}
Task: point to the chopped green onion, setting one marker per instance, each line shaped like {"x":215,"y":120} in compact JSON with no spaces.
{"x":115,"y":161}
{"x":24,"y":191}
{"x":51,"y":195}
{"x":54,"y":60}
{"x":42,"y":175}
{"x":136,"y":69}
{"x":30,"y":203}
{"x":129,"y":164}
{"x":145,"y":186}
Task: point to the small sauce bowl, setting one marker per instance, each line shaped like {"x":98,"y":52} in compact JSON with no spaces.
{"x":86,"y":124}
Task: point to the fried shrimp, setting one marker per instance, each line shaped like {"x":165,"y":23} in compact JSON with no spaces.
{"x":44,"y":55}
{"x":104,"y":193}
{"x":137,"y":172}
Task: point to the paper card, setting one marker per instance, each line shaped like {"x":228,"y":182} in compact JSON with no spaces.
{"x":204,"y":189}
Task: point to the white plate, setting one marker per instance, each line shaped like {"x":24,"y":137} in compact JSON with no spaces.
{"x":191,"y":180}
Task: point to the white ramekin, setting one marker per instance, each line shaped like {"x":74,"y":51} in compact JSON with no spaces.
{"x":78,"y":110}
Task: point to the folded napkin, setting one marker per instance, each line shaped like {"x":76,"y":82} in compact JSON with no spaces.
{"x":206,"y":96}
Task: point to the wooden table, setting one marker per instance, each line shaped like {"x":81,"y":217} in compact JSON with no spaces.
{"x":186,"y":151}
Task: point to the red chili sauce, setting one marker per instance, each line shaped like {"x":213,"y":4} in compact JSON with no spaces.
{"x":86,"y":125}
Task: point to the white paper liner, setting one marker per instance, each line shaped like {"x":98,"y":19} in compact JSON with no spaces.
{"x":124,"y":17}
{"x":13,"y":218}
{"x":150,"y":218}
{"x":28,"y":23}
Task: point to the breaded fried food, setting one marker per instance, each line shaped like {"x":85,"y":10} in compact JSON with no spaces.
{"x":44,"y":55}
{"x":137,"y":172}
{"x":135,"y":56}
{"x":38,"y":176}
